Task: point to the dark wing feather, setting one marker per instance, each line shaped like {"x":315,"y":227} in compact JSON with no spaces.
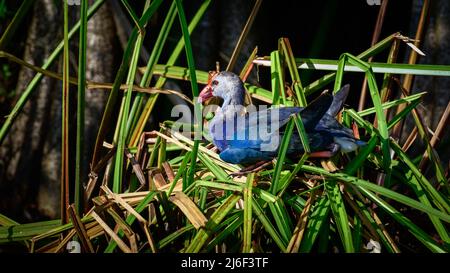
{"x":338,"y":100}
{"x":313,"y":113}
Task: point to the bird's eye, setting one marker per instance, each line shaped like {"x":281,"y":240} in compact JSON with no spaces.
{"x":215,"y":82}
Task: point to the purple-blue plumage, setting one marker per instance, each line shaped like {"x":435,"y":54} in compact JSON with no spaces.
{"x":248,"y":137}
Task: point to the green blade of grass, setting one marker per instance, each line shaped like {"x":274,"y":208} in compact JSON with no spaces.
{"x":6,"y":221}
{"x":204,"y":233}
{"x":174,"y":235}
{"x":302,"y":133}
{"x":180,"y":172}
{"x":247,"y":242}
{"x":234,"y":222}
{"x":274,"y":187}
{"x":286,"y":180}
{"x":357,"y":233}
{"x":21,"y":232}
{"x":315,"y":224}
{"x":203,"y":197}
{"x":194,"y":86}
{"x":377,"y":67}
{"x":217,"y":185}
{"x":357,"y":161}
{"x":171,"y":71}
{"x":265,"y":195}
{"x":132,"y":14}
{"x":281,"y":243}
{"x":382,"y":125}
{"x":274,"y":77}
{"x":81,"y":107}
{"x":153,"y":152}
{"x":400,"y":116}
{"x":282,"y":219}
{"x":340,"y":214}
{"x":325,"y":237}
{"x":119,"y":160}
{"x":65,"y":197}
{"x":216,"y":170}
{"x":56,"y":230}
{"x":393,"y":103}
{"x":285,"y":46}
{"x":162,"y":153}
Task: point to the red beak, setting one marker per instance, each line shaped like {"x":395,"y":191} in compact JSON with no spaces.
{"x":205,"y":94}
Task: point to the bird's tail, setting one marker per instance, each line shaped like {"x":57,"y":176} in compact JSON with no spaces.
{"x":338,"y":100}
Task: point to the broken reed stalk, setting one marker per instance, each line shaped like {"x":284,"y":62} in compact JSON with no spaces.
{"x":413,"y":57}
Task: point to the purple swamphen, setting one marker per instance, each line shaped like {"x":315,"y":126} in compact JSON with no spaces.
{"x":249,"y":137}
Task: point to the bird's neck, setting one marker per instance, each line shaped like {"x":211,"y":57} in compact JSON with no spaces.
{"x":233,"y":101}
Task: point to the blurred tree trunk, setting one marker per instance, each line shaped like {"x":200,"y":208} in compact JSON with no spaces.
{"x":30,"y":155}
{"x":21,"y":154}
{"x":436,"y":44}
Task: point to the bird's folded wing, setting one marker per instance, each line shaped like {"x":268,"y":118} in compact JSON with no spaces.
{"x":253,"y":129}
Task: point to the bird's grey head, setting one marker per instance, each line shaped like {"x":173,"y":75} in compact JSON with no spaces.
{"x":225,"y":85}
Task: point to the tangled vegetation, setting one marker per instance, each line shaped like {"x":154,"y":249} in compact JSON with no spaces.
{"x":160,"y":191}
